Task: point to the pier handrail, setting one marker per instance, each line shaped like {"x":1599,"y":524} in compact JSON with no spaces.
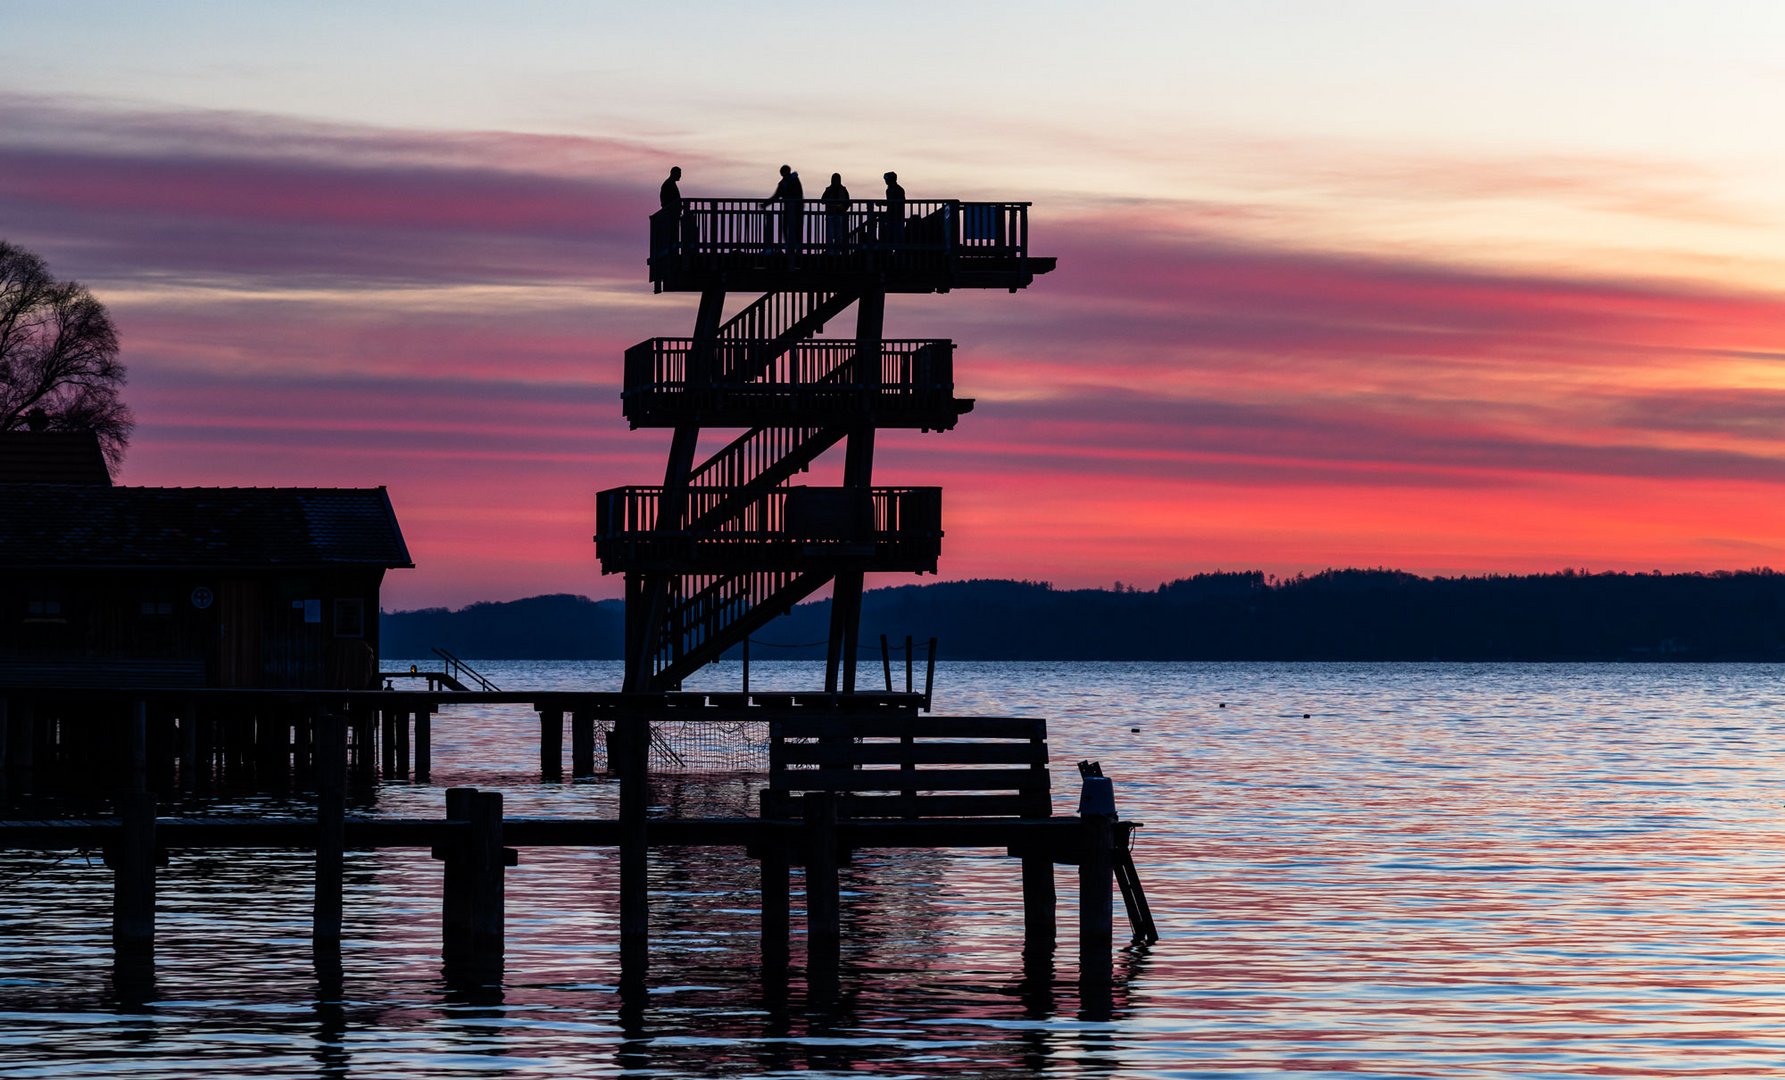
{"x":464,"y":672}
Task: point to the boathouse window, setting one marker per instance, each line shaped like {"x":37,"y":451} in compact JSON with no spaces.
{"x":43,"y":608}
{"x":350,"y":617}
{"x":157,"y":607}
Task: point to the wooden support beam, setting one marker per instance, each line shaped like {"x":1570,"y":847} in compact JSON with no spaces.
{"x":777,"y":902}
{"x":1039,"y":920}
{"x":424,"y":744}
{"x":189,"y":745}
{"x":632,"y":739}
{"x":582,"y":743}
{"x":456,"y":900}
{"x":400,"y":752}
{"x":138,"y":741}
{"x":132,"y":859}
{"x":1096,"y":881}
{"x":5,"y":758}
{"x":488,"y":898}
{"x":824,"y":903}
{"x":551,"y":744}
{"x":331,"y":814}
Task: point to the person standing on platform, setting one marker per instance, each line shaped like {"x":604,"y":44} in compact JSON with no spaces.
{"x":836,"y":212}
{"x":895,"y":209}
{"x":793,"y":208}
{"x":667,"y":224}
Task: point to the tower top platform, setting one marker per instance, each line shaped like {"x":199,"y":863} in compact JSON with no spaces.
{"x":925,"y":246}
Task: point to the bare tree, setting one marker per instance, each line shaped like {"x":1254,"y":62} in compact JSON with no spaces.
{"x":59,"y":368}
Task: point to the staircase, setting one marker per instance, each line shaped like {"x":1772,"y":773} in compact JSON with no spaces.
{"x":729,"y":542}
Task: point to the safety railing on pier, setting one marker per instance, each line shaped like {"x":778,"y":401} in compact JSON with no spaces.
{"x":887,"y":527}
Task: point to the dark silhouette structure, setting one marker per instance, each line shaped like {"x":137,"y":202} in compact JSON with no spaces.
{"x":191,"y":587}
{"x":727,"y":543}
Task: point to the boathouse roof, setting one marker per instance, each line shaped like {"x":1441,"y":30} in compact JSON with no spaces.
{"x":92,"y":526}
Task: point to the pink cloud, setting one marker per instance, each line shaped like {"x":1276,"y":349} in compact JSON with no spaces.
{"x":1219,"y":401}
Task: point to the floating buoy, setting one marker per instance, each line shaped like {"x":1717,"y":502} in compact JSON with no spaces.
{"x":1224,"y":704}
{"x":1304,"y":716}
{"x":1134,"y":730}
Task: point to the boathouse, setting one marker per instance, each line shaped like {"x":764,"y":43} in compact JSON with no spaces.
{"x":198,"y":587}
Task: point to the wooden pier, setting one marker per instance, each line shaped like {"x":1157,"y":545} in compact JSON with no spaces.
{"x":842,"y":778}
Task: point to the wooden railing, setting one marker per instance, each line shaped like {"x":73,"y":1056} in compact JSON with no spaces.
{"x":788,"y":513}
{"x":709,"y":227}
{"x":764,"y":526}
{"x":914,"y":372}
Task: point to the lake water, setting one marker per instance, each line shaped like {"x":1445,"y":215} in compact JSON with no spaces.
{"x":1439,"y":870}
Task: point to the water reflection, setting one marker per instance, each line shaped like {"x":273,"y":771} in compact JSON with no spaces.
{"x":1441,"y":870}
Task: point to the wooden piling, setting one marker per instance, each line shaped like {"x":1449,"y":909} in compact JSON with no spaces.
{"x":551,"y":744}
{"x":1039,"y":920}
{"x":132,"y":859}
{"x":632,"y":738}
{"x":400,"y":749}
{"x":824,"y":900}
{"x":776,"y":899}
{"x":138,"y":741}
{"x":582,"y":743}
{"x":488,"y":900}
{"x":456,"y":898}
{"x":1096,"y":881}
{"x":387,"y":732}
{"x":331,"y":815}
{"x":424,"y":744}
{"x":5,"y":759}
{"x":189,"y":745}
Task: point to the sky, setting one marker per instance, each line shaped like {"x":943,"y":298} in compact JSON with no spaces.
{"x":1447,"y":288}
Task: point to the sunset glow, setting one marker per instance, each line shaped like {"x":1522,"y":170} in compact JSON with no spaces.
{"x":1458,"y":320}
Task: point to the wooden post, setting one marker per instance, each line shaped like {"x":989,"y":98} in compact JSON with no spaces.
{"x":908,"y":662}
{"x":139,"y":745}
{"x":1039,"y":928}
{"x":582,"y":743}
{"x":776,"y":902}
{"x":929,"y":676}
{"x":132,"y":859}
{"x":456,"y":901}
{"x":886,"y":661}
{"x":746,"y":663}
{"x":365,"y":745}
{"x":5,"y":767}
{"x":424,"y":743}
{"x":488,"y":902}
{"x":551,"y":744}
{"x":189,"y":745}
{"x":331,"y":816}
{"x":632,"y":736}
{"x":400,"y":752}
{"x":824,"y":901}
{"x":1096,"y":879}
{"x":387,"y":730}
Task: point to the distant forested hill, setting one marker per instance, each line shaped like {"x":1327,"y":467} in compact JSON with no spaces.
{"x":559,"y":627}
{"x":1334,"y":615}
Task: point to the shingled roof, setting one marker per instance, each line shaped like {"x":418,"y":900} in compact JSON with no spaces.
{"x":85,"y":525}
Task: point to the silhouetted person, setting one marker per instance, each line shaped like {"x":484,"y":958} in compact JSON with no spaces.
{"x":793,"y":207}
{"x":836,"y":211}
{"x":666,"y":222}
{"x":895,"y":209}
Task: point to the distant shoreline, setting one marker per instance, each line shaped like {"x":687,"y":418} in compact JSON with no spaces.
{"x":1337,"y":615}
